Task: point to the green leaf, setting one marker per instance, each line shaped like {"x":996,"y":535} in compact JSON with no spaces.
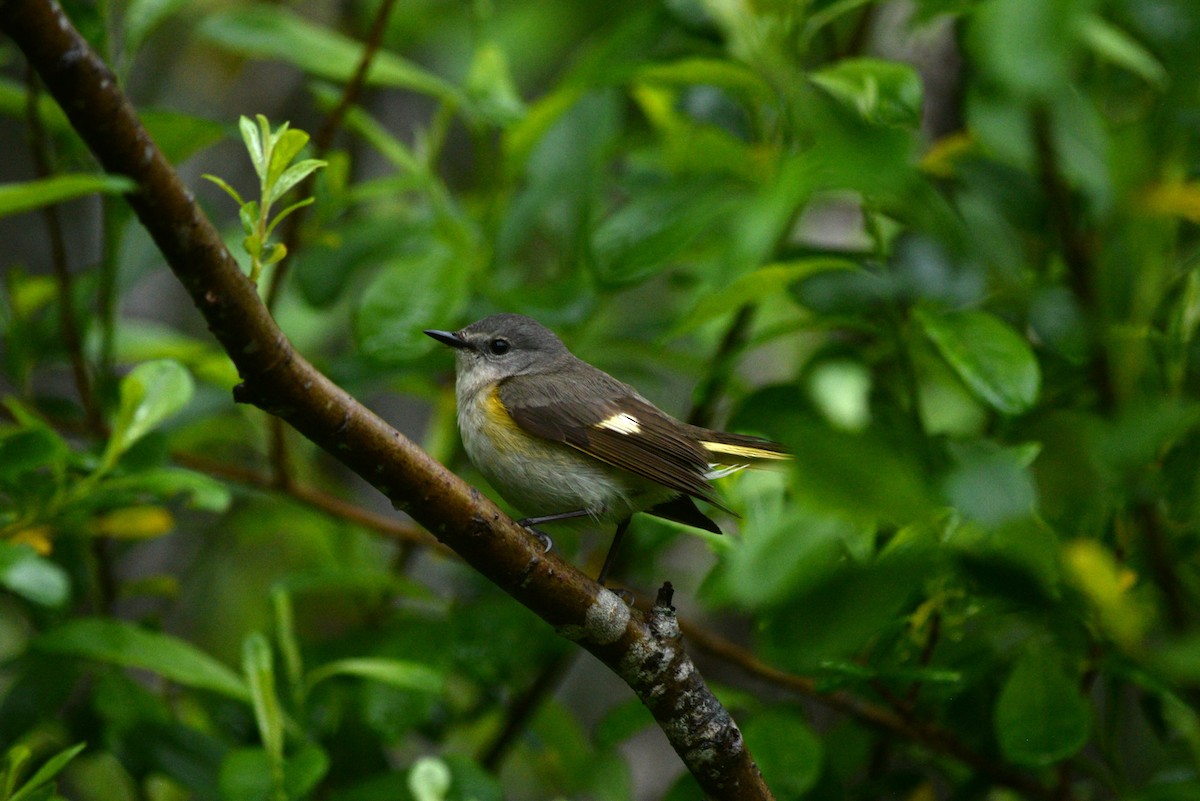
{"x":285,"y":636}
{"x":861,"y":475}
{"x":647,"y":234}
{"x":394,"y":672}
{"x":522,"y":138}
{"x":761,"y":222}
{"x":274,"y":254}
{"x":882,"y":92}
{"x":429,"y":779}
{"x":229,"y":190}
{"x":255,"y":141}
{"x":17,"y":198}
{"x":1027,"y":46}
{"x":490,"y":83}
{"x":14,"y":764}
{"x":248,"y":215}
{"x":288,"y":142}
{"x":785,"y":550}
{"x":834,"y":628}
{"x":145,"y":340}
{"x":120,"y":642}
{"x":49,"y":769}
{"x":274,"y":32}
{"x":755,"y":286}
{"x":31,"y":449}
{"x":281,"y":216}
{"x":786,"y":749}
{"x":1115,"y":45}
{"x":407,"y":296}
{"x":990,"y":484}
{"x":246,"y":774}
{"x":25,"y":573}
{"x":203,"y":492}
{"x":150,"y":393}
{"x":1041,"y":715}
{"x":180,"y":135}
{"x":258,"y":666}
{"x":292,"y":176}
{"x":729,"y":75}
{"x":989,"y":356}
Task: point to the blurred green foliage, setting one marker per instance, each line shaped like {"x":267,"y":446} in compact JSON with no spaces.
{"x":963,"y":288}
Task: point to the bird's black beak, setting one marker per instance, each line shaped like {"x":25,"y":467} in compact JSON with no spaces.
{"x":447,"y":338}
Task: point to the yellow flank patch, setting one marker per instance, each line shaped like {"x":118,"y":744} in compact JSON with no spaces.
{"x":743,"y":451}
{"x":621,"y":422}
{"x":501,"y":428}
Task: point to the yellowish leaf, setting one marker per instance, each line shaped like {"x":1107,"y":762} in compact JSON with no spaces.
{"x":133,"y":523}
{"x":942,"y":156}
{"x":1174,"y":199}
{"x":36,"y":537}
{"x":1107,"y":585}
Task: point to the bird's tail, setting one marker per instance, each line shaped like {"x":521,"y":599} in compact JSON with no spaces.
{"x":729,"y":453}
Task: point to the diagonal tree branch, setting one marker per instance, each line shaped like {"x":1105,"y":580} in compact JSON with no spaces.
{"x":644,"y":650}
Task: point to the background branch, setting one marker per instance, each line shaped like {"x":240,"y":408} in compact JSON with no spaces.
{"x":39,"y":147}
{"x":644,"y":650}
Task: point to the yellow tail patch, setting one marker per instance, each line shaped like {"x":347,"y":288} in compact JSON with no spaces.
{"x":744,"y":451}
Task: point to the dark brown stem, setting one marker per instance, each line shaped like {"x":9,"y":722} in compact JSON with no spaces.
{"x":709,"y":394}
{"x":1162,"y":566}
{"x":644,"y":650}
{"x":58,"y":257}
{"x":523,"y":708}
{"x":323,"y":140}
{"x":935,"y":628}
{"x":1077,"y":253}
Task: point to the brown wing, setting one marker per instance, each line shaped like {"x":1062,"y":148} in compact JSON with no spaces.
{"x":619,"y":429}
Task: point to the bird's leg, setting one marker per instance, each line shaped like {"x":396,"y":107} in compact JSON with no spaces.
{"x":529,"y":523}
{"x":612,"y":550}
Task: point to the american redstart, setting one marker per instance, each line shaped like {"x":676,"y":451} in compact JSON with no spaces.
{"x":562,"y":439}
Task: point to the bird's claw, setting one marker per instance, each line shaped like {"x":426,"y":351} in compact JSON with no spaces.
{"x":625,"y":595}
{"x":542,"y":536}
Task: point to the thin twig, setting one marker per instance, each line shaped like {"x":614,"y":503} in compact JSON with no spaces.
{"x":318,"y":499}
{"x":935,"y":629}
{"x":279,"y":455}
{"x":1162,"y":565}
{"x":323,"y":140}
{"x":522,"y":709}
{"x":1077,"y":253}
{"x":58,"y":255}
{"x":709,"y":393}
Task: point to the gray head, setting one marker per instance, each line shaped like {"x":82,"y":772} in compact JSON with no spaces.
{"x":501,"y":346}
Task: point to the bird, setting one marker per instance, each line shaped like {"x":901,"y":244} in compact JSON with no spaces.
{"x":561,"y":439}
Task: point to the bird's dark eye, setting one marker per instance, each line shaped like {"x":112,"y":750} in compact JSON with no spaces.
{"x":499,"y":346}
